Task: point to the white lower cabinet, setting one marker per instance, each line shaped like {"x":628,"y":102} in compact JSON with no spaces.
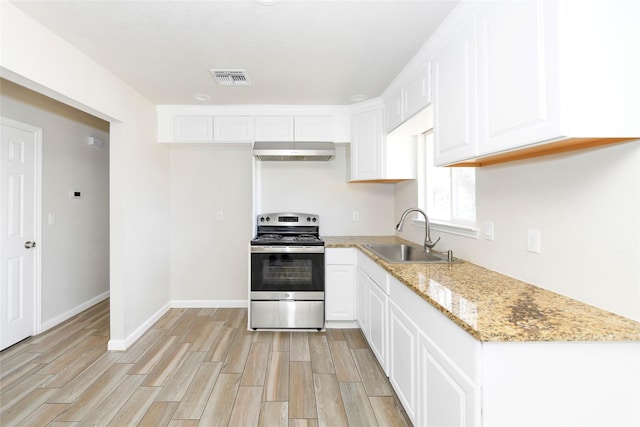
{"x":362,"y":286}
{"x":444,"y":377}
{"x":433,"y":363}
{"x":403,"y":359}
{"x":340,"y":295}
{"x":377,"y":302}
{"x":447,"y":396}
{"x":372,"y":306}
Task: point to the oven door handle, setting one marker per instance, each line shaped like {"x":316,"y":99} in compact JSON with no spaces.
{"x":287,"y":249}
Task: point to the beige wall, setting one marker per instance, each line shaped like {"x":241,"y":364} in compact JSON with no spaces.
{"x":322,"y":188}
{"x":210,"y":256}
{"x":75,"y":250}
{"x":34,"y":57}
{"x":586,"y":204}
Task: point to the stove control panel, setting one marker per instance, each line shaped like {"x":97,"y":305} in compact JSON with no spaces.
{"x":288,"y":219}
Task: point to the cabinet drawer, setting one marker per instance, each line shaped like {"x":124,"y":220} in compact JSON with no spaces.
{"x":339,"y":256}
{"x":373,"y":270}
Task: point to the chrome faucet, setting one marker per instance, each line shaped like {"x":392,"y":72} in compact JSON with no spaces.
{"x":428,"y":244}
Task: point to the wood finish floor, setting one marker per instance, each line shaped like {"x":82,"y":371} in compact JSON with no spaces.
{"x":194,"y":367}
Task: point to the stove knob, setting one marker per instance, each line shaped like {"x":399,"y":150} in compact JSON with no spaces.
{"x":268,"y":219}
{"x":314,"y":219}
{"x":261,"y":219}
{"x":308,"y":219}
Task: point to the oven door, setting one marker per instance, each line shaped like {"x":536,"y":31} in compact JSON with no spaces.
{"x":280,"y":272}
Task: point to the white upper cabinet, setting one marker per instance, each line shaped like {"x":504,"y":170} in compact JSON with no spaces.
{"x":212,"y":129}
{"x":394,"y":111}
{"x":520,"y":93}
{"x":455,"y":85}
{"x":412,"y":97}
{"x":366,"y":144}
{"x":233,"y":129}
{"x":417,"y":92}
{"x":533,"y":77}
{"x":313,"y":128}
{"x":193,"y":128}
{"x":245,"y":123}
{"x":274,"y":128}
{"x":298,"y":128}
{"x":374,"y":155}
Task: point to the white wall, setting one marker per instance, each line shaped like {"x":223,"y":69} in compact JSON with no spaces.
{"x":586,"y":204}
{"x":322,"y":188}
{"x":74,"y":250}
{"x":210,"y":256}
{"x":34,"y":57}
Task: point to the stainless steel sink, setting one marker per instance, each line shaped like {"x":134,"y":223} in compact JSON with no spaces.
{"x":400,"y":253}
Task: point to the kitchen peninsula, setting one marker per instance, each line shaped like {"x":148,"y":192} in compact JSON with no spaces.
{"x":493,"y":349}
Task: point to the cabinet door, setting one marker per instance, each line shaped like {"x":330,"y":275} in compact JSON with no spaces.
{"x":274,"y":128}
{"x":377,"y":316}
{"x":340,"y":292}
{"x":313,"y":128}
{"x":362,"y":289}
{"x":394,"y":109}
{"x":366,"y":145}
{"x":417,"y":93}
{"x":447,"y":396}
{"x":192,"y":128}
{"x":403,"y":358}
{"x":455,"y":96}
{"x":520,"y":92}
{"x":232,"y":128}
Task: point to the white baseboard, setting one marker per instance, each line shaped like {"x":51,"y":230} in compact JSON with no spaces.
{"x":69,"y":314}
{"x":121,"y":345}
{"x":185,"y":303}
{"x":341,"y":324}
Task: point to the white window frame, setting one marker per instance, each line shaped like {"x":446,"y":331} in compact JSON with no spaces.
{"x":460,"y":228}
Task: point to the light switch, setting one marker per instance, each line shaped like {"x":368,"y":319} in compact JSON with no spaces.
{"x":488,"y":231}
{"x":533,"y":241}
{"x":51,"y":219}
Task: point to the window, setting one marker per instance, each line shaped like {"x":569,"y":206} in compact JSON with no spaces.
{"x":448,"y":195}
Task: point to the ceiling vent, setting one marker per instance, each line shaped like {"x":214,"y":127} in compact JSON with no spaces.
{"x":231,"y":77}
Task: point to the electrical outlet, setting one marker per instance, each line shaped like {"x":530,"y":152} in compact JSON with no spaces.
{"x":533,"y":241}
{"x":218,"y":215}
{"x":356,"y":216}
{"x":488,"y":231}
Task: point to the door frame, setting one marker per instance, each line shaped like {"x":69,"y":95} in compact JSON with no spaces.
{"x":37,"y":279}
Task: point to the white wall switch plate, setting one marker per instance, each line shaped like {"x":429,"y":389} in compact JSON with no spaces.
{"x":533,"y":241}
{"x":356,"y":216}
{"x":488,"y":231}
{"x":219,"y":216}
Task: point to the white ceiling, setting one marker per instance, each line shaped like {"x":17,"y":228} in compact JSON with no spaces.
{"x":294,"y":52}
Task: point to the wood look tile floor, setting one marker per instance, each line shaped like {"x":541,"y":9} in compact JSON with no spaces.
{"x":194,"y":367}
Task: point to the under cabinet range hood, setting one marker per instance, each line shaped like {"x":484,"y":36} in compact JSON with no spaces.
{"x":290,"y":150}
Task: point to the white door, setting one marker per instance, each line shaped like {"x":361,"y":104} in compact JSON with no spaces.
{"x":18,"y":223}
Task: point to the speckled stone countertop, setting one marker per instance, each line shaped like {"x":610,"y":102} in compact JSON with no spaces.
{"x":497,"y":308}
